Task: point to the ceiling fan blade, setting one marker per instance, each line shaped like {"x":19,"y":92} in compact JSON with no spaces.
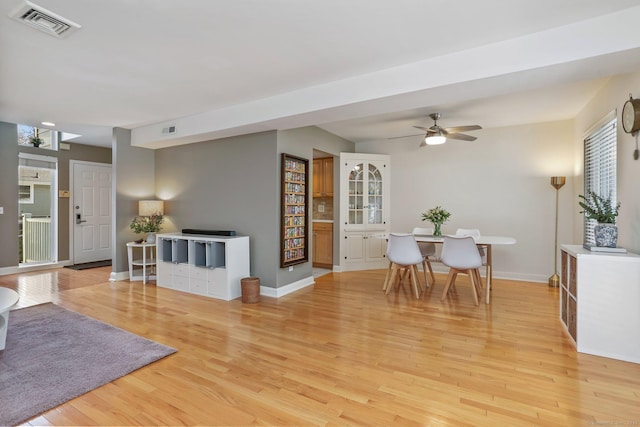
{"x":423,"y":143}
{"x":457,"y":129}
{"x":405,"y":136}
{"x":460,"y":136}
{"x":421,"y":128}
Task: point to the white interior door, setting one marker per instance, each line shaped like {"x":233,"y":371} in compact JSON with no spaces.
{"x":91,"y":210}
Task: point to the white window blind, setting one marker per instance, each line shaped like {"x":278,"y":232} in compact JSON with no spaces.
{"x":600,"y":167}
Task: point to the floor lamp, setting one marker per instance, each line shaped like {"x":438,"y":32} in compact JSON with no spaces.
{"x":554,"y":281}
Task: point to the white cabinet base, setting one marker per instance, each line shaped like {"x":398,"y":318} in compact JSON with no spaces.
{"x":203,"y":265}
{"x":605,"y":314}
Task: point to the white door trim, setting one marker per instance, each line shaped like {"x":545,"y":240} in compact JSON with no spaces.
{"x":72,"y":163}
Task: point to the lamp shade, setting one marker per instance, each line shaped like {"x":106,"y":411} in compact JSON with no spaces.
{"x":150,"y":207}
{"x":558,"y":181}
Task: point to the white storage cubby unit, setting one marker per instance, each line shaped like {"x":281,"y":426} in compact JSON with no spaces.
{"x":205,"y":265}
{"x":600,"y":302}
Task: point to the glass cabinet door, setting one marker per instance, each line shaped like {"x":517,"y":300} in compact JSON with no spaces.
{"x":356,"y":194}
{"x":365,"y":208}
{"x":375,"y":203}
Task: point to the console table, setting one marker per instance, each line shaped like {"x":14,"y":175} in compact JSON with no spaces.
{"x":202,"y":264}
{"x":600,"y":302}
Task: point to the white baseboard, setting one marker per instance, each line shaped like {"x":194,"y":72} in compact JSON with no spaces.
{"x":28,"y":268}
{"x":116,"y":277}
{"x":287,"y":289}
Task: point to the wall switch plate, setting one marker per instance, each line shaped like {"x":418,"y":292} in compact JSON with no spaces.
{"x":291,"y":268}
{"x":1,"y":210}
{"x":321,"y":207}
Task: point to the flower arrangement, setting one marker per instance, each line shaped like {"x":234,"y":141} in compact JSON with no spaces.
{"x":598,"y":208}
{"x":147,"y":224}
{"x":437,"y":216}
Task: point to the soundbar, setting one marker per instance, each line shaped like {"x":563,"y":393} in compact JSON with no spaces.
{"x":209,"y":232}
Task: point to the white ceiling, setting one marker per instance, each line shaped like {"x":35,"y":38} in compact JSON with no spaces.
{"x":362,"y":69}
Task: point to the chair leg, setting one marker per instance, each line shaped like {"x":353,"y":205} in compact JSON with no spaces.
{"x":474,"y":289}
{"x":481,"y":285}
{"x":414,"y":280}
{"x":424,"y":271}
{"x":433,"y":278}
{"x":386,"y":278}
{"x":450,"y":278}
{"x":392,"y":278}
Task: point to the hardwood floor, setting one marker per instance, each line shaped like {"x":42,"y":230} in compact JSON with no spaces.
{"x":342,"y":353}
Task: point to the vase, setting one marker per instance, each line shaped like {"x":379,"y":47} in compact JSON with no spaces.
{"x":606,"y":235}
{"x":436,"y":229}
{"x":151,"y":238}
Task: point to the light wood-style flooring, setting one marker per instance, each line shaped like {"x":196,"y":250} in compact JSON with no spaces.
{"x":342,"y":352}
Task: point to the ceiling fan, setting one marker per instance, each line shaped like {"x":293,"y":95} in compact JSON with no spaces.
{"x":438,"y":135}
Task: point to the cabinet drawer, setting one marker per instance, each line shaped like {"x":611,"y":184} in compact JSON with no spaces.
{"x":198,"y":286}
{"x":217,"y":283}
{"x":198,"y":273}
{"x":164,"y":274}
{"x":181,"y":283}
{"x":322,"y":226}
{"x":181,"y":270}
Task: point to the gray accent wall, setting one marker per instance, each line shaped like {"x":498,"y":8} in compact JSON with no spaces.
{"x":226,"y":184}
{"x":234,"y":184}
{"x":9,"y":150}
{"x":86,"y":153}
{"x":9,"y":194}
{"x":133,"y":180}
{"x":301,"y":142}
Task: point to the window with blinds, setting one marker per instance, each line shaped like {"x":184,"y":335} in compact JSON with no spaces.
{"x":600,"y":167}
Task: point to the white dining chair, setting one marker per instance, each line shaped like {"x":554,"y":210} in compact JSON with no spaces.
{"x":403,"y":254}
{"x":475,"y":233}
{"x":427,"y":250}
{"x":461,"y":255}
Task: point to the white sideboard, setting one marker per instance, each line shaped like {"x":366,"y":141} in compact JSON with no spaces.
{"x":600,"y":302}
{"x":212,"y":266}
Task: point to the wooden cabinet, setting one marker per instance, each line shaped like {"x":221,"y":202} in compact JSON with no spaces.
{"x":294,"y":241}
{"x":600,"y":302}
{"x":203,"y":265}
{"x":322,"y":245}
{"x":323,"y":177}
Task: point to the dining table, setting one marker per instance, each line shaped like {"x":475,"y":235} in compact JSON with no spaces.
{"x":481,"y":241}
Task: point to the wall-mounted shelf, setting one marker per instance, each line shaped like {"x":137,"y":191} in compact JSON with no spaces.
{"x":294,"y":240}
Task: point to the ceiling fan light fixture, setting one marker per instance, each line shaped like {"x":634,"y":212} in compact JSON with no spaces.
{"x":435,"y":139}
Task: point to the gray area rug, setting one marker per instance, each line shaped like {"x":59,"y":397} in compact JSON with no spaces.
{"x":53,"y":355}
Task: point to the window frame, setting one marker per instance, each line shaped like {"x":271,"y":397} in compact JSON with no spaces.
{"x":600,"y":165}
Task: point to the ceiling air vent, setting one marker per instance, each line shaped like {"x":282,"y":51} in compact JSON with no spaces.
{"x":169,"y":129}
{"x":44,"y":20}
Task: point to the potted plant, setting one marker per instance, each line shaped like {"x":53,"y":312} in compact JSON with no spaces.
{"x":147,"y":224}
{"x":36,"y":141}
{"x":437,"y":216}
{"x":604,"y":212}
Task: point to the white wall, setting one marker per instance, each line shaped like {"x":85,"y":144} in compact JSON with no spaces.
{"x":613,"y":96}
{"x":500,"y":184}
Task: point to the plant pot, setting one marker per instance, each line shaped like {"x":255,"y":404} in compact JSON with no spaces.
{"x":151,"y":238}
{"x":606,"y":235}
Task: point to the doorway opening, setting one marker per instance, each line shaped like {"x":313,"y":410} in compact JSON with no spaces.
{"x":37,"y":209}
